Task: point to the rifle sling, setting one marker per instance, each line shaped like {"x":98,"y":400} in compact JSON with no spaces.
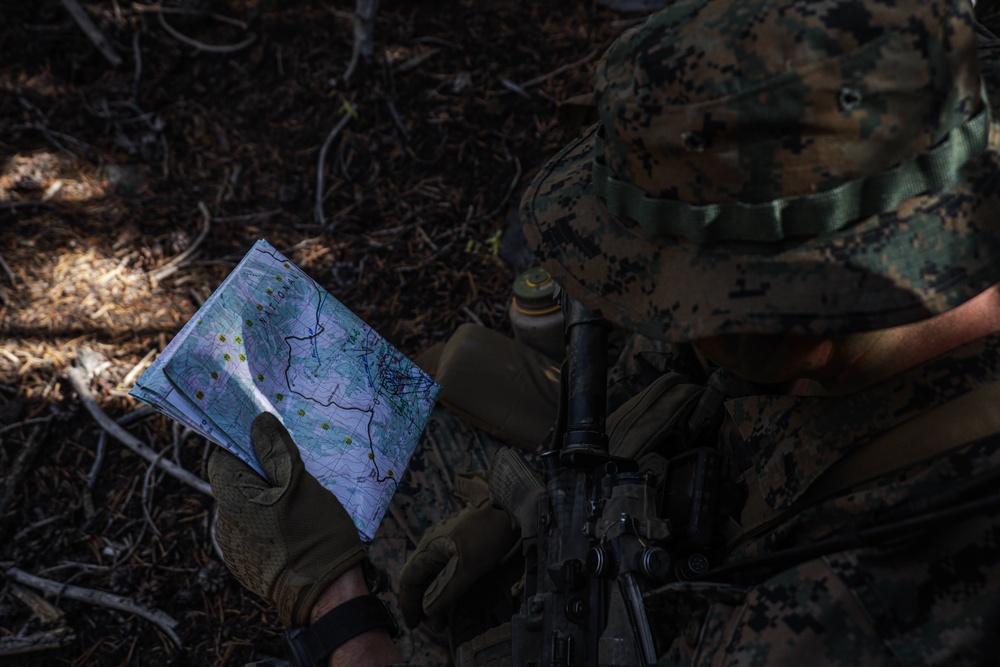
{"x":943,"y":429}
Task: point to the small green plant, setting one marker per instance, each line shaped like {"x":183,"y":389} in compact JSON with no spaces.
{"x":488,"y":249}
{"x":349,"y":109}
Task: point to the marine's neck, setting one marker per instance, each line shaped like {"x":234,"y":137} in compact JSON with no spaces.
{"x":891,"y":351}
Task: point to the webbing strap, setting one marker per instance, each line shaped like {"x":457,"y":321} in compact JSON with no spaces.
{"x":946,"y":428}
{"x":803,"y":215}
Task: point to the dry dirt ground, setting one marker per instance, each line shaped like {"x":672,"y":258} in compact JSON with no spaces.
{"x":128,"y":192}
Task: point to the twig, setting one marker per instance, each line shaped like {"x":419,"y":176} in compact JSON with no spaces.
{"x":39,"y":641}
{"x":134,"y":373}
{"x":38,"y":524}
{"x":176,"y":263}
{"x":6,"y":269}
{"x":26,"y":422}
{"x":472,"y":316}
{"x":417,"y":60}
{"x":559,"y":70}
{"x":390,"y":100}
{"x":427,"y":239}
{"x":92,"y":32}
{"x":52,"y":135}
{"x":21,"y":463}
{"x":20,"y":204}
{"x":364,"y":36}
{"x":40,"y":608}
{"x":510,"y":190}
{"x":249,"y":216}
{"x":397,"y":121}
{"x":147,"y":489}
{"x":90,"y":596}
{"x":201,"y":46}
{"x":214,"y":536}
{"x":130,"y":441}
{"x":321,"y":167}
{"x":157,"y":9}
{"x":95,"y":469}
{"x":515,"y":88}
{"x":136,"y":415}
{"x":137,"y":73}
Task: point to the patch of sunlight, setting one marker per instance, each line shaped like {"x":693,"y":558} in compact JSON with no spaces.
{"x":45,"y":176}
{"x":71,"y":297}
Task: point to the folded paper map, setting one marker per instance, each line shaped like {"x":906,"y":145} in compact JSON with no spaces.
{"x":270,"y":339}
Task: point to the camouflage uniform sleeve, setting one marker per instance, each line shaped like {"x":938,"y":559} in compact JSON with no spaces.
{"x":929,"y":598}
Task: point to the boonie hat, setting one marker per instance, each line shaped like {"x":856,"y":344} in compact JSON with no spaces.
{"x":779,"y":166}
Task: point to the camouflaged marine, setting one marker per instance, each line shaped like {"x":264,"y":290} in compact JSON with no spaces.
{"x":795,"y":206}
{"x":772,"y":176}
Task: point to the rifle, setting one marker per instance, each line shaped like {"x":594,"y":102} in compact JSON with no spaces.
{"x":592,"y":536}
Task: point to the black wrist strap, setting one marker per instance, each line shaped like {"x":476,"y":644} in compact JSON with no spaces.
{"x":312,"y":645}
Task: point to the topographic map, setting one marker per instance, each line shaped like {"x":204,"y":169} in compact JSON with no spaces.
{"x":270,"y":339}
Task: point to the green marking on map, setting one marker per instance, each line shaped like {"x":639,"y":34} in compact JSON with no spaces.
{"x":367,"y":403}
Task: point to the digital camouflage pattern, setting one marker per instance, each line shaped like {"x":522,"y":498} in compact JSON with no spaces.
{"x":429,"y":491}
{"x":930,"y":597}
{"x":749,"y":100}
{"x":450,"y":453}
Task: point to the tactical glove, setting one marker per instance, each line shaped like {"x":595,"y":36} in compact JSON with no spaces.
{"x":285,"y":538}
{"x":451,"y":557}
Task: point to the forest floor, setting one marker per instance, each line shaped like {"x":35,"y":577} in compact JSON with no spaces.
{"x":127,"y":194}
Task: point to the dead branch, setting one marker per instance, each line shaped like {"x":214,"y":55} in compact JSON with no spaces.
{"x":214,"y":536}
{"x":510,"y":190}
{"x":22,"y":424}
{"x":472,"y":316}
{"x":95,"y":469}
{"x":559,"y":70}
{"x":6,"y":269}
{"x":521,"y":88}
{"x":46,"y":613}
{"x":98,"y":598}
{"x":157,"y":9}
{"x":130,"y":441}
{"x":417,"y":60}
{"x":137,"y":72}
{"x":147,"y":490}
{"x":515,"y":88}
{"x":93,"y":33}
{"x":21,"y":463}
{"x":39,"y":641}
{"x":249,"y":216}
{"x":130,"y":377}
{"x":321,"y":167}
{"x":201,"y":46}
{"x":364,"y":36}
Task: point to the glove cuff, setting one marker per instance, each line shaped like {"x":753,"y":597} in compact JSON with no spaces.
{"x":296,"y":607}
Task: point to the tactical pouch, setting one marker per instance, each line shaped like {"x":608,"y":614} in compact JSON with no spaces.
{"x":497,"y":384}
{"x":490,"y":649}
